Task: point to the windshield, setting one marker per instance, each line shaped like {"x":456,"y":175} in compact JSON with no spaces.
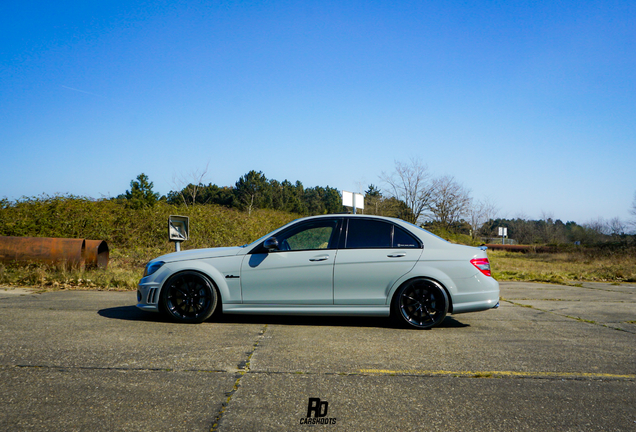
{"x":267,"y":235}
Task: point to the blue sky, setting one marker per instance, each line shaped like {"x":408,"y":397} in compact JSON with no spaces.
{"x":531,"y":104}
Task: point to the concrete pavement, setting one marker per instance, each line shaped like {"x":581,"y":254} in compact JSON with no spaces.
{"x":550,"y":358}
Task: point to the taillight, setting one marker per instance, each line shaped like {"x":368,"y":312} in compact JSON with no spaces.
{"x":482,"y":264}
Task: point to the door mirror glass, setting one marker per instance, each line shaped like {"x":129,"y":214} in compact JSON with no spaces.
{"x":271,"y":244}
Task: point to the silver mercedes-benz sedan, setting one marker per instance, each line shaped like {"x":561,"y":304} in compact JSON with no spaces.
{"x":325,"y":265}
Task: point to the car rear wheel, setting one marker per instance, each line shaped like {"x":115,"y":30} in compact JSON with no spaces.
{"x":189,"y":297}
{"x":420,"y":303}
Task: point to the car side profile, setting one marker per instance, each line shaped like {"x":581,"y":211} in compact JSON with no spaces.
{"x":331,"y":265}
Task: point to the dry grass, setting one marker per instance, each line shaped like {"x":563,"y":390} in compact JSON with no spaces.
{"x":125,"y":270}
{"x":564,"y":267}
{"x":120,"y":276}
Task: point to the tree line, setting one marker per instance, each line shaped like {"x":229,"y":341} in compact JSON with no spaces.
{"x":252,"y":191}
{"x":549,"y":231}
{"x":440,"y":204}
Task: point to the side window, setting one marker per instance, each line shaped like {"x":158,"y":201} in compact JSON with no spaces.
{"x":402,"y":239}
{"x":309,"y":236}
{"x":366,"y":233}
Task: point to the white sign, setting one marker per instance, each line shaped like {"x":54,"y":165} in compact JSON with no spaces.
{"x":349,"y":198}
{"x":503,"y":231}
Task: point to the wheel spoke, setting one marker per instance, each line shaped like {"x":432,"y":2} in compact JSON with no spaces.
{"x":422,"y":304}
{"x":197,"y":307}
{"x":409,"y":297}
{"x":428,"y":314}
{"x":189,"y":297}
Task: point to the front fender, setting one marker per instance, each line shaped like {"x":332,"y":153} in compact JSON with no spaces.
{"x":223,"y":272}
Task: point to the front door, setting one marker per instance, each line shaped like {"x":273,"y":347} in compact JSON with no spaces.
{"x":299,"y":272}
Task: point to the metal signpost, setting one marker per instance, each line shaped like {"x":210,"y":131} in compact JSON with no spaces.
{"x":178,"y":230}
{"x":355,"y":200}
{"x":503,"y":232}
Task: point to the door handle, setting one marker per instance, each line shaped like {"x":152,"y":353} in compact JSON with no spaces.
{"x":319,"y":258}
{"x":397,"y":255}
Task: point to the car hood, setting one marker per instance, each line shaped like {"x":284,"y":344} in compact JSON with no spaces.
{"x":200,"y":253}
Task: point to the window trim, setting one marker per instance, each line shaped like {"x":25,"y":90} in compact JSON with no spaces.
{"x":345,"y":234}
{"x":418,"y":242}
{"x":334,"y":240}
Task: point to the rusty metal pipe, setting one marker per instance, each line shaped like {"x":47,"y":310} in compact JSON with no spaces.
{"x":522,"y":248}
{"x":68,"y":253}
{"x":57,"y":251}
{"x":96,"y":254}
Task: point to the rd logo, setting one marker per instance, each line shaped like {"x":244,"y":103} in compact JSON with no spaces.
{"x":318,"y":408}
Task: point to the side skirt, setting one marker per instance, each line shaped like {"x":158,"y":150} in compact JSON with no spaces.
{"x":327,"y":310}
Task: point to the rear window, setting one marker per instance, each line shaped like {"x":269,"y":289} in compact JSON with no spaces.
{"x":402,"y":239}
{"x":369,"y":233}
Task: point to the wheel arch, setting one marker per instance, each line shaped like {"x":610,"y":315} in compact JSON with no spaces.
{"x":194,"y":299}
{"x":405,"y":280}
{"x":220,"y":288}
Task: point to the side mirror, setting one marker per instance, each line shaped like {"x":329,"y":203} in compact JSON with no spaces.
{"x":271,"y":244}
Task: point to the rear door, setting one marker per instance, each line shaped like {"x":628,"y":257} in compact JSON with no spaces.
{"x":374,"y":254}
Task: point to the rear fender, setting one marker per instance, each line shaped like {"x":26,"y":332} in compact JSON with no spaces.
{"x":426,"y":272}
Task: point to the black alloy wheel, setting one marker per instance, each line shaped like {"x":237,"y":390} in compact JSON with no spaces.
{"x":189,"y":297}
{"x":421,"y":303}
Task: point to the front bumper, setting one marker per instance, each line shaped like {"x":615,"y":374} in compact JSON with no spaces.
{"x":148,"y":296}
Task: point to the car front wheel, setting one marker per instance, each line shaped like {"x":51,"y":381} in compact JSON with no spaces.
{"x":189,"y":297}
{"x":420,"y":303}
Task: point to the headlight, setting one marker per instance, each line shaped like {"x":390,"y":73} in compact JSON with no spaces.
{"x":152,"y":267}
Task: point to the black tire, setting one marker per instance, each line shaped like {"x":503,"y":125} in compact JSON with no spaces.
{"x":189,"y":297}
{"x":420,"y":303}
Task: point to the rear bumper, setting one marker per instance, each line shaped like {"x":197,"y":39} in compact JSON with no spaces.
{"x":476,"y":294}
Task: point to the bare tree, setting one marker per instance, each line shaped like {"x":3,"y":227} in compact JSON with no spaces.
{"x":616,"y":226}
{"x":598,"y":226}
{"x":449,"y":201}
{"x":189,"y":185}
{"x":410,"y":183}
{"x":479,"y":213}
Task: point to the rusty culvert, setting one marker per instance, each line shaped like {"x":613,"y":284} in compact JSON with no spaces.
{"x":96,"y":254}
{"x":69,"y":253}
{"x":522,"y":248}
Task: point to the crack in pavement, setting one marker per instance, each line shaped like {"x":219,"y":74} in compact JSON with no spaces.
{"x":579,"y":319}
{"x":244,"y":367}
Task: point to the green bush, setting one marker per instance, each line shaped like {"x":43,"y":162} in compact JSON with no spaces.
{"x":123,"y":227}
{"x":134,"y":235}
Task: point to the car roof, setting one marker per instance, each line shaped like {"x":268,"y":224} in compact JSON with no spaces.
{"x":414,"y":229}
